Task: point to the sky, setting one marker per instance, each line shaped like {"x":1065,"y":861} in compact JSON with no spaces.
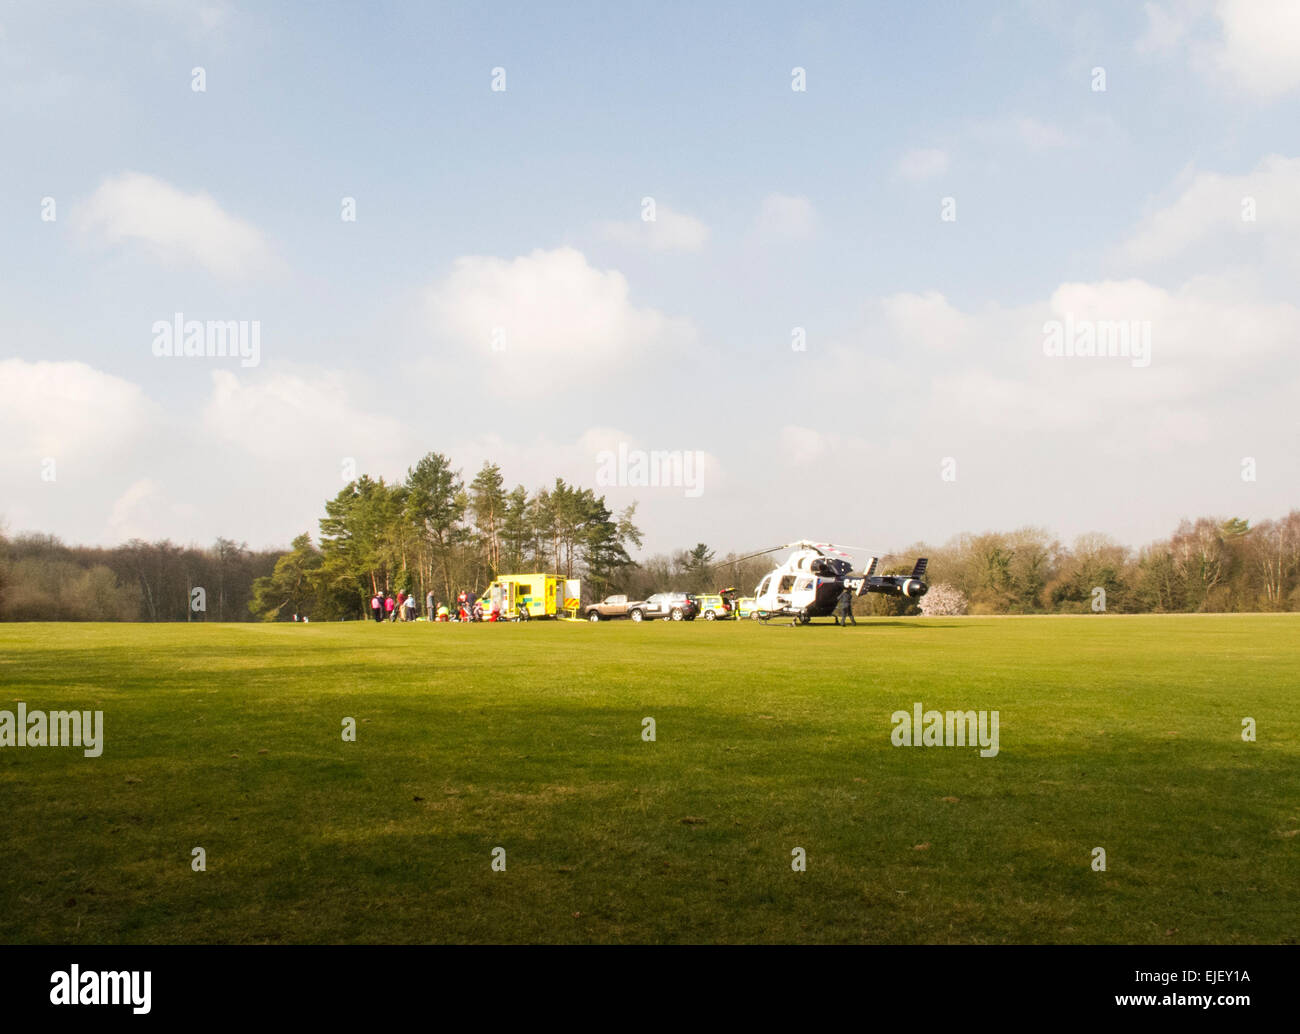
{"x":827,"y":255}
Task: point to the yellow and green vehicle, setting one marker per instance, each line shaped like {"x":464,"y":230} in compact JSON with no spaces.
{"x":543,"y":595}
{"x":715,"y":607}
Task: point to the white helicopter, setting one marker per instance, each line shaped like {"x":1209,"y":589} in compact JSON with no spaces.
{"x":808,"y":585}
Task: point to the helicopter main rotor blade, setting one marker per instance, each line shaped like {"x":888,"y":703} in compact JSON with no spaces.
{"x":750,"y":556}
{"x":855,"y":549}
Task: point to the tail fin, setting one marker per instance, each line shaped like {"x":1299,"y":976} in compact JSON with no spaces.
{"x":871,"y":567}
{"x":919,"y":570}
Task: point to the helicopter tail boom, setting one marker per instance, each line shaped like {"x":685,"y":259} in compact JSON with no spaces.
{"x":911,"y":586}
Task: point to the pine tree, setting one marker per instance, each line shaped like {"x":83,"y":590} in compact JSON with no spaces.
{"x":487,"y":501}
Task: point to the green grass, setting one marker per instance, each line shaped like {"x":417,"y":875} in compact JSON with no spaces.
{"x":1118,"y":732}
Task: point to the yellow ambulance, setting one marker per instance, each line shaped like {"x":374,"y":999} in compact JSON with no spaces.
{"x":544,"y":595}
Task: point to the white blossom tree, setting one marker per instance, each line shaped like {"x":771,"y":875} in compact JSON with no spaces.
{"x":943,"y":601}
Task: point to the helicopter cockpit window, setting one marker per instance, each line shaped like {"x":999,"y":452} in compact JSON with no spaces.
{"x":762,"y":586}
{"x":787,"y":583}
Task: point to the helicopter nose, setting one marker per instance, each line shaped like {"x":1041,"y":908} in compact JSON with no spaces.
{"x":914,"y":588}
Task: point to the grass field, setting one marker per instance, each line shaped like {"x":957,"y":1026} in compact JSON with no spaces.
{"x":1115,"y":732}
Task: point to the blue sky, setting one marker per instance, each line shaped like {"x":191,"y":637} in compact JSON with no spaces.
{"x":775,"y":209}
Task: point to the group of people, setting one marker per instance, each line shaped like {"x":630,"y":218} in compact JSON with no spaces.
{"x":471,"y":609}
{"x":384,"y":606}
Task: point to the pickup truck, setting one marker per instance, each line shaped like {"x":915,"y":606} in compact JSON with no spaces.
{"x":610,"y":607}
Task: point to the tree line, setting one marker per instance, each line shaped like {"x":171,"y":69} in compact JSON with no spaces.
{"x":1207,"y":564}
{"x":42,"y":579}
{"x":433,"y":531}
{"x":1210,"y":564}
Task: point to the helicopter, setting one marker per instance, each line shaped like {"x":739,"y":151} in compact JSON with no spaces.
{"x":809,"y":583}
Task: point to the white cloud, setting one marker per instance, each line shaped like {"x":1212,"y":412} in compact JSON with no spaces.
{"x":1072,"y":442}
{"x":560,"y":319}
{"x":1040,"y":136}
{"x":1211,"y":205}
{"x":928,"y":320}
{"x":670,"y":230}
{"x":598,"y":439}
{"x":65,"y":410}
{"x":213,"y":16}
{"x":1201,"y":326}
{"x":201,"y":16}
{"x":257,"y":464}
{"x":923,"y":164}
{"x":1207,"y":340}
{"x":1254,"y":45}
{"x":1261,"y":45}
{"x":999,"y":137}
{"x":286,"y":417}
{"x":973,"y":400}
{"x":289,"y":441}
{"x":144,"y":511}
{"x":802,"y":446}
{"x":783,"y":215}
{"x":1167,"y":27}
{"x":687,"y":471}
{"x":174,"y":225}
{"x":71,"y":435}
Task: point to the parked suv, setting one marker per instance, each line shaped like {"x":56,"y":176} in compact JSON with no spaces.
{"x":671,"y":606}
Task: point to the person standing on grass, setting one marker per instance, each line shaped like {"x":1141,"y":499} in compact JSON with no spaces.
{"x":376,"y":608}
{"x":389,"y":607}
{"x":844,"y":609}
{"x":410,"y":607}
{"x":430,"y":606}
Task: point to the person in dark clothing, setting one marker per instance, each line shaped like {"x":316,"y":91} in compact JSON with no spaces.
{"x":844,"y":609}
